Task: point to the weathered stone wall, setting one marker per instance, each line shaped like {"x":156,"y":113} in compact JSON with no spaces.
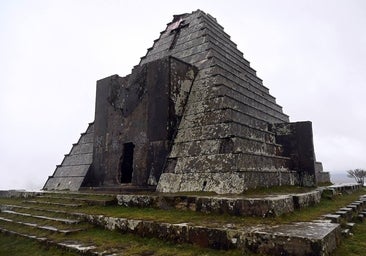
{"x":268,"y":206}
{"x":297,"y":141}
{"x":225,"y":181}
{"x":223,"y":143}
{"x":71,"y":173}
{"x":136,"y":120}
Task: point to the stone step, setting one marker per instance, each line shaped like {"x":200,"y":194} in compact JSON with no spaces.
{"x":52,"y":203}
{"x":65,"y":221}
{"x":123,"y":188}
{"x":47,"y":228}
{"x":38,"y":238}
{"x":360,"y":217}
{"x":358,"y":205}
{"x":83,"y":249}
{"x":87,"y":201}
{"x":362,"y":202}
{"x":346,"y":215}
{"x":346,"y":232}
{"x":242,"y":206}
{"x":323,"y":221}
{"x":303,"y":238}
{"x":346,"y":209}
{"x":286,"y":239}
{"x":45,"y":210}
{"x":350,"y":226}
{"x":353,"y":207}
{"x":335,"y":218}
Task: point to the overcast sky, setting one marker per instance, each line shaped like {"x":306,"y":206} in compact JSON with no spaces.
{"x":310,"y":54}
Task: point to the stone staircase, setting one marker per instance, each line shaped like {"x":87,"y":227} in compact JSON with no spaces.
{"x":52,"y":218}
{"x":61,"y":218}
{"x":348,"y":216}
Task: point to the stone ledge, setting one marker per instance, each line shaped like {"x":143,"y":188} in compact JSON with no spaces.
{"x":302,"y":238}
{"x":263,"y":207}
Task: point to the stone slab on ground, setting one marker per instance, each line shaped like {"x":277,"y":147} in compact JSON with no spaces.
{"x":302,"y":238}
{"x":88,"y":201}
{"x":335,"y":218}
{"x":83,"y":249}
{"x":42,"y":227}
{"x":54,"y":204}
{"x":63,"y":220}
{"x":347,"y":215}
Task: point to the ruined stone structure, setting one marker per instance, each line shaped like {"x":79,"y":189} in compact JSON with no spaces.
{"x":192,"y":116}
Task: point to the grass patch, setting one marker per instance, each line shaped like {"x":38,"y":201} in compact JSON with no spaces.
{"x":354,"y":245}
{"x":13,"y":245}
{"x":135,"y":245}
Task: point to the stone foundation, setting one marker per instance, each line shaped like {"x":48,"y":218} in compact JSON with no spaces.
{"x":224,"y":182}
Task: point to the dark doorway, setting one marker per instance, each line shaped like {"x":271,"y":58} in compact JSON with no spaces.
{"x":126,"y":163}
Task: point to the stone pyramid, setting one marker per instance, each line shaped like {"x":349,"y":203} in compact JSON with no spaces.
{"x":226,"y":133}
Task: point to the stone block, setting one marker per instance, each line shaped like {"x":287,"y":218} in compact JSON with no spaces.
{"x":304,"y":200}
{"x":353,"y":207}
{"x":346,"y":215}
{"x":360,"y":217}
{"x":64,"y":183}
{"x":222,"y":183}
{"x":358,"y":205}
{"x":335,"y":218}
{"x":82,"y":148}
{"x":87,"y":138}
{"x":245,"y":88}
{"x":302,"y":238}
{"x":206,"y":237}
{"x":81,"y":159}
{"x":71,"y":171}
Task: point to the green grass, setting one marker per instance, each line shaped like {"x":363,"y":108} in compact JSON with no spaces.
{"x":135,"y":245}
{"x":18,"y":246}
{"x":105,"y":240}
{"x":354,"y":245}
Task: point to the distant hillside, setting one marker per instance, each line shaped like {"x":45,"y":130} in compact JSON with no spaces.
{"x":340,"y":177}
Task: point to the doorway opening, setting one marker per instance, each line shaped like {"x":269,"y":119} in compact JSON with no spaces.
{"x":126,"y":163}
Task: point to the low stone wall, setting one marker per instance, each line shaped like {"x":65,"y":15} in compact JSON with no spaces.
{"x":263,"y":207}
{"x":304,"y":200}
{"x":216,"y":238}
{"x":346,"y":188}
{"x":236,"y":205}
{"x":302,"y":238}
{"x":234,"y":182}
{"x":19,"y":193}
